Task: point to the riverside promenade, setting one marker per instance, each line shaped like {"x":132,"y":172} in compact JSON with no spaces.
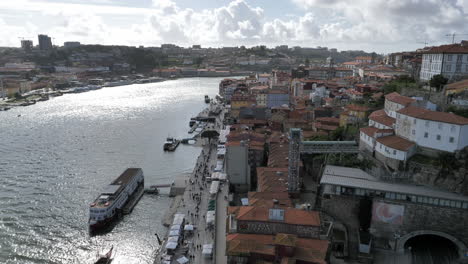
{"x":194,"y":205}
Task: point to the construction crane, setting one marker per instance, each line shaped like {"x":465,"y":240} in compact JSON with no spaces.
{"x":453,"y":35}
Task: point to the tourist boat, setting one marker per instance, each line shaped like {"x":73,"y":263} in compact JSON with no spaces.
{"x":171,"y":144}
{"x":207,"y":99}
{"x":105,"y":259}
{"x":110,"y":204}
{"x":118,"y":83}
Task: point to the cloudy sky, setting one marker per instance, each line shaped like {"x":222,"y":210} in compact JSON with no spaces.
{"x":373,"y":25}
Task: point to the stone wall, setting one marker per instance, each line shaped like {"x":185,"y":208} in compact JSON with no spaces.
{"x":417,"y":217}
{"x":392,"y":163}
{"x":448,"y":179}
{"x":343,"y":208}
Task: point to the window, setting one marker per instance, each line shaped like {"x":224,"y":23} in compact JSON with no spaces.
{"x":426,"y":134}
{"x":441,"y":125}
{"x":394,"y":152}
{"x":466,"y":67}
{"x":449,"y":57}
{"x":458,"y":68}
{"x":414,"y":121}
{"x":459,"y":57}
{"x":452,"y":128}
{"x":451,"y":140}
{"x":427,"y":123}
{"x":438,"y":137}
{"x":448,"y":67}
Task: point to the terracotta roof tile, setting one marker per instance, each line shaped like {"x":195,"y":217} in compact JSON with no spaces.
{"x":292,"y":216}
{"x":458,"y":85}
{"x":425,"y":114}
{"x":399,"y":99}
{"x":396,"y":142}
{"x":306,"y":249}
{"x":381,"y":117}
{"x":359,"y":108}
{"x":452,"y":48}
{"x":371,"y":131}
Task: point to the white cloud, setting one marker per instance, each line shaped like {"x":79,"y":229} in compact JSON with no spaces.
{"x":365,"y":24}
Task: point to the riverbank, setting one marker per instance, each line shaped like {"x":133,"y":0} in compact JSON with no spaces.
{"x":62,"y":152}
{"x":195,"y":204}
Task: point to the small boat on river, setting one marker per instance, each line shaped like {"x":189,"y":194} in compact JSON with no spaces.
{"x":171,"y":144}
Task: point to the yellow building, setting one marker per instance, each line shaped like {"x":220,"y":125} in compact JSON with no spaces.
{"x":456,"y":87}
{"x":353,"y":114}
{"x":240,"y":100}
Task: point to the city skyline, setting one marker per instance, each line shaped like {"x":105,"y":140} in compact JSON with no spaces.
{"x":380,"y":26}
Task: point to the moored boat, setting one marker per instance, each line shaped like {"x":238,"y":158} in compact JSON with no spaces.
{"x":171,"y":144}
{"x":110,"y":203}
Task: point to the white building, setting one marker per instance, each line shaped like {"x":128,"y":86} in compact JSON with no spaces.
{"x":449,"y":60}
{"x":396,"y":132}
{"x":431,"y":129}
{"x":264,"y":78}
{"x":394,"y":102}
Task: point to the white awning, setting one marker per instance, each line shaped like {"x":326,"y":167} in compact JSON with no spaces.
{"x":183,"y":260}
{"x":171,"y":245}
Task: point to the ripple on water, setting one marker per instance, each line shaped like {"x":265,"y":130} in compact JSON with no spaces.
{"x":59,"y":155}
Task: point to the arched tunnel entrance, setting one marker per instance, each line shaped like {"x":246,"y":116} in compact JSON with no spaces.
{"x":431,"y":247}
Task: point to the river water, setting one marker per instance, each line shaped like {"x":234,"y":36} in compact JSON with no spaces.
{"x":56,"y":157}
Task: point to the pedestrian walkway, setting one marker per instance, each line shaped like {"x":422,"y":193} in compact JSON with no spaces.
{"x":194,"y":205}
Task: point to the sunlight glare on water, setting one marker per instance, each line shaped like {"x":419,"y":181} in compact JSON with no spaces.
{"x":59,"y":154}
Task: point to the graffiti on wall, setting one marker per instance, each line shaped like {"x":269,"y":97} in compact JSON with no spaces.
{"x":388,"y":213}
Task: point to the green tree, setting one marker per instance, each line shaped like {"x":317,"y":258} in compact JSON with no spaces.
{"x":438,"y":81}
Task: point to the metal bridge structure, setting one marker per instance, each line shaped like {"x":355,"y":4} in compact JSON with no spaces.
{"x":325,"y":147}
{"x":298,"y":146}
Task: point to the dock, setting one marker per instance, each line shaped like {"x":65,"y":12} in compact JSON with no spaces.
{"x":133,"y":200}
{"x":193,"y":128}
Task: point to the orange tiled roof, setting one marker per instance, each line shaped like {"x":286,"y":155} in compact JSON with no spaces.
{"x":452,"y":48}
{"x":399,"y":99}
{"x":278,"y":155}
{"x":396,"y":142}
{"x":458,"y":85}
{"x":371,"y":131}
{"x":292,"y":216}
{"x":381,"y":117}
{"x":425,"y":114}
{"x":359,"y":108}
{"x":306,"y":249}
